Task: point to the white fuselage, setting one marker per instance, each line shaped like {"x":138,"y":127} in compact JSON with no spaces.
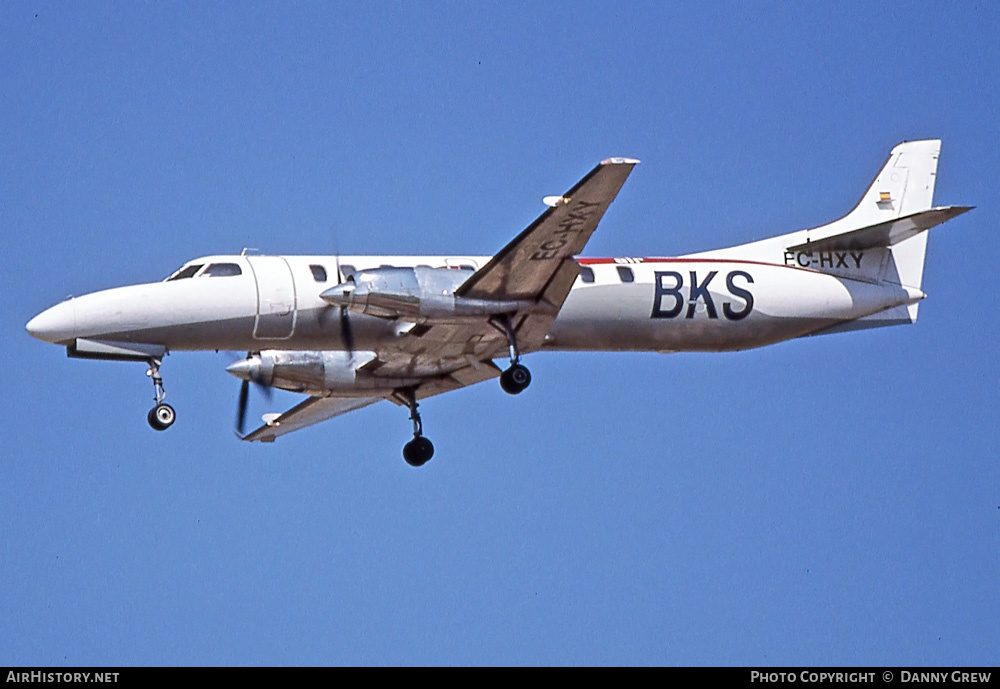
{"x":698,"y":303}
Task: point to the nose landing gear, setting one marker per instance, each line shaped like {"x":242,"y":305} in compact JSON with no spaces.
{"x":162,"y":416}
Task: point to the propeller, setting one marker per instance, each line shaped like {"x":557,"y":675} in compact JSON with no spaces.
{"x":346,"y":330}
{"x":246,"y":372}
{"x":241,"y":410}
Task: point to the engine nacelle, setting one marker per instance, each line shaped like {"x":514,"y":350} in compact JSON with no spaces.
{"x":313,"y":372}
{"x":416,"y":294}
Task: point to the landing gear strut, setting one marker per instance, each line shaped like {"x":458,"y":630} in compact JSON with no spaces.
{"x":162,"y":416}
{"x":517,"y":377}
{"x":419,"y":450}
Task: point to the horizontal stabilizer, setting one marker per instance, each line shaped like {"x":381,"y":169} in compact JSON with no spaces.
{"x":885,"y":233}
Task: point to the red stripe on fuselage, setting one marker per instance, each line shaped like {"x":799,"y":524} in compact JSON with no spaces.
{"x":641,"y":261}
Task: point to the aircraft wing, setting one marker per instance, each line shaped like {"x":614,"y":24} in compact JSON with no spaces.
{"x":316,"y":409}
{"x":525,"y":268}
{"x":313,"y":410}
{"x":537,"y":266}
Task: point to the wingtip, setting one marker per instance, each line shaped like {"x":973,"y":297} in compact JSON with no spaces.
{"x":619,"y":161}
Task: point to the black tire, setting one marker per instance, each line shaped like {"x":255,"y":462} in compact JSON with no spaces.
{"x":161,"y":417}
{"x":418,"y":451}
{"x":515,"y":379}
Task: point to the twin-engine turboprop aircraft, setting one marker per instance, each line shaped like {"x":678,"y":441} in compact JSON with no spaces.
{"x":350,"y":331}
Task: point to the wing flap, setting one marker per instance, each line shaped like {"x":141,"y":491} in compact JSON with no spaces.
{"x":476,"y":372}
{"x":560,"y":284}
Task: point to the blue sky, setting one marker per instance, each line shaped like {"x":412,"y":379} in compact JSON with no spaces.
{"x":830,"y":500}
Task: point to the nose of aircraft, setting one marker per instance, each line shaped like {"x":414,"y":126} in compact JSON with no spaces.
{"x":54,"y":325}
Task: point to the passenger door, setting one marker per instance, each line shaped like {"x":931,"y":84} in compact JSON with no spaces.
{"x":276,"y":301}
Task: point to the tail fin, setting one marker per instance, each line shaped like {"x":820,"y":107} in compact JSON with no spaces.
{"x":904,"y":186}
{"x":891,"y":216}
{"x":885,"y":233}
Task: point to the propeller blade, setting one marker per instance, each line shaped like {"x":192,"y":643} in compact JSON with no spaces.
{"x":345,"y":320}
{"x":247,"y":369}
{"x":345,"y":329}
{"x":265,"y":390}
{"x":241,"y":410}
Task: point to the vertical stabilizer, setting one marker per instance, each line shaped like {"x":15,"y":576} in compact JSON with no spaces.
{"x":904,"y":185}
{"x":882,"y":240}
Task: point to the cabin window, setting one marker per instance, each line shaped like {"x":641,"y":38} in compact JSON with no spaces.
{"x":319,"y":273}
{"x":346,"y":270}
{"x":185,"y":272}
{"x":587,"y":274}
{"x":222,"y":270}
{"x":625,"y":274}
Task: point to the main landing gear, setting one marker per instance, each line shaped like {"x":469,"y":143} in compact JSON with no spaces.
{"x":517,"y":377}
{"x":162,"y":416}
{"x":419,"y":450}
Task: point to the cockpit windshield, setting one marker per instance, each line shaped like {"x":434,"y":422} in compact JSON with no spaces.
{"x":216,"y":270}
{"x":185,"y":272}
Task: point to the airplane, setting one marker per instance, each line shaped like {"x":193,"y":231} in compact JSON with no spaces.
{"x":350,"y":331}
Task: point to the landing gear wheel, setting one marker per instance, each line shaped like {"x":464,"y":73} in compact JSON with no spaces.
{"x":515,"y":379}
{"x":418,"y":451}
{"x":161,"y":417}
